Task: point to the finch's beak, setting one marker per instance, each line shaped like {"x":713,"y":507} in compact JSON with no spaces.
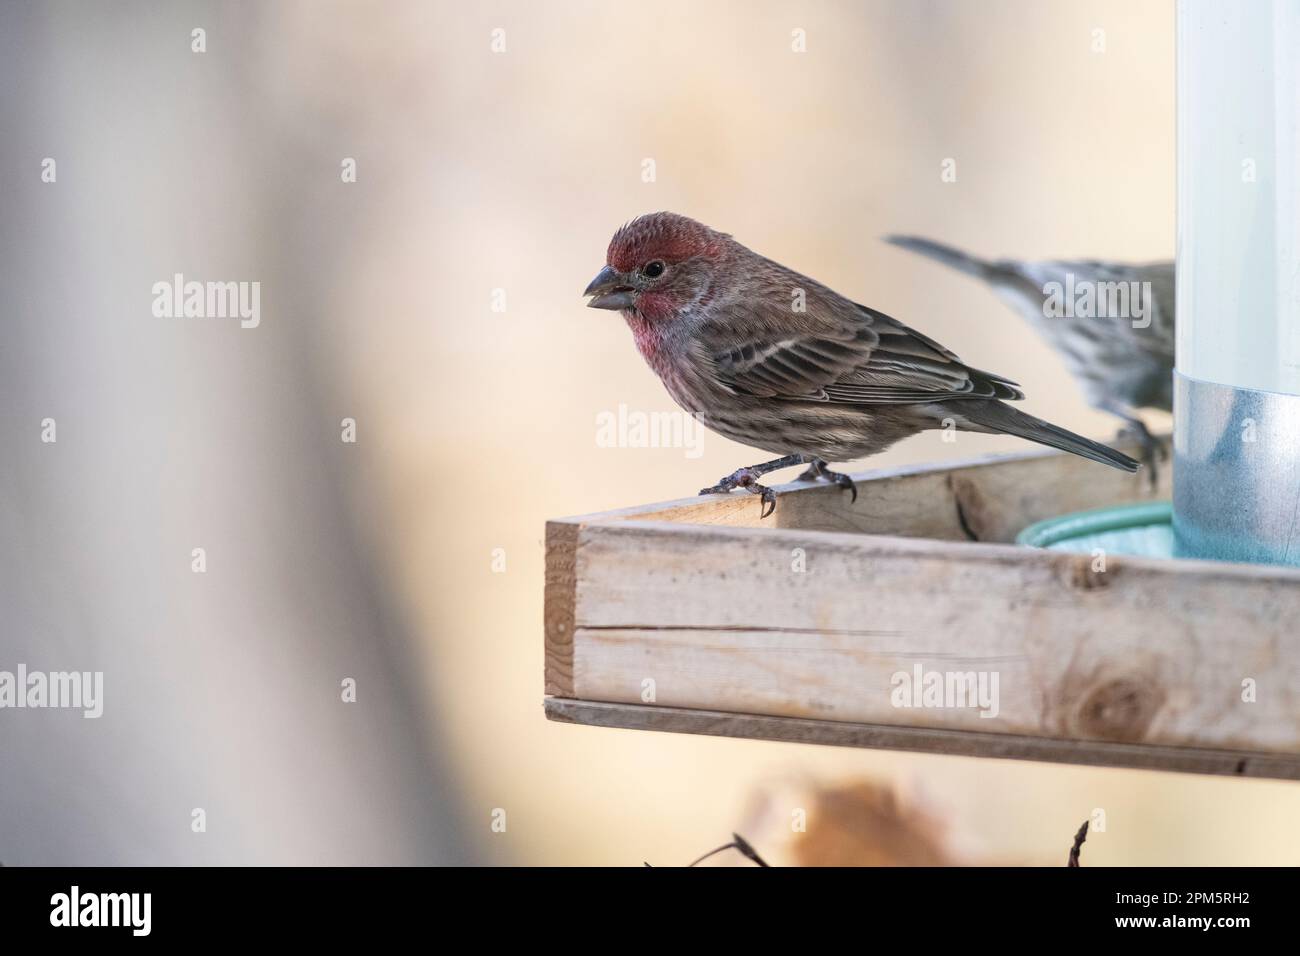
{"x":611,"y":290}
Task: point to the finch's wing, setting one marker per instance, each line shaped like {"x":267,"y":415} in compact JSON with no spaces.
{"x":842,"y":353}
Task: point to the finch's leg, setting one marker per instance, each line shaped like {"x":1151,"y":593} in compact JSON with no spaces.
{"x":818,"y":470}
{"x":747,"y":478}
{"x":1152,"y":450}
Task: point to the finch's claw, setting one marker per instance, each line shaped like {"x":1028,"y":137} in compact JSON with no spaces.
{"x":818,"y":471}
{"x":1152,"y":451}
{"x":811,"y":473}
{"x":748,"y":479}
{"x":1149,"y":458}
{"x":844,"y":481}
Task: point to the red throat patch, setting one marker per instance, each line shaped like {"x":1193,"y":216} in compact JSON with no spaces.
{"x":647,"y":334}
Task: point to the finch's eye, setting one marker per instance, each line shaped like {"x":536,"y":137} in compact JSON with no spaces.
{"x":653,"y":270}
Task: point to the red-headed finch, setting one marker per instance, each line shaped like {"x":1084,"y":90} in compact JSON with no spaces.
{"x":770,"y":358}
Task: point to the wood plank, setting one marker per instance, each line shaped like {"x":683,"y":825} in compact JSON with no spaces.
{"x":561,"y":542}
{"x":991,"y":498}
{"x":697,"y":608}
{"x":1145,"y":651}
{"x":920,"y":739}
{"x":983,"y":497}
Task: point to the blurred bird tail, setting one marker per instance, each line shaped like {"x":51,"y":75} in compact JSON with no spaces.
{"x":948,"y":255}
{"x":996,"y":416}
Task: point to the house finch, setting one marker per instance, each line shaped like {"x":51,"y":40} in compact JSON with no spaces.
{"x":770,"y":358}
{"x":1121,"y":366}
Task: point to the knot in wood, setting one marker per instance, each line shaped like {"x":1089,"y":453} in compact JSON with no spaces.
{"x":1118,"y":708}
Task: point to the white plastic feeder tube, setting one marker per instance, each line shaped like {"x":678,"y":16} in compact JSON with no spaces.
{"x":1237,"y":384}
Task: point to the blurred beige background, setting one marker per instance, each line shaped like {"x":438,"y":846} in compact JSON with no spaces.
{"x":481,"y":171}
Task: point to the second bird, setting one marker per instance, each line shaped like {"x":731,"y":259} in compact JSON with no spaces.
{"x":771,"y":358}
{"x":1122,"y":358}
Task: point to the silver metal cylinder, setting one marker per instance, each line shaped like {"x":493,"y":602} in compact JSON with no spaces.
{"x":1237,"y":388}
{"x":1236,"y":473}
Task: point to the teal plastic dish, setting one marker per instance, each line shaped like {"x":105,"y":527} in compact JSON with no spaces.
{"x":1144,"y":529}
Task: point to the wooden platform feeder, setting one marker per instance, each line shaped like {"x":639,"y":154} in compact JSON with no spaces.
{"x":694,"y":616}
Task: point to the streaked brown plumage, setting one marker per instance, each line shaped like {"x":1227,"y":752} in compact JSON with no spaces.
{"x":773,"y":359}
{"x":1122,"y":366}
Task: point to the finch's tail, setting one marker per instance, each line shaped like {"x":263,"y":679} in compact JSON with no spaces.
{"x":949,"y":256}
{"x":997,"y":416}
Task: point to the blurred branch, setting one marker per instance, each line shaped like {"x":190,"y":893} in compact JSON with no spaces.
{"x":738,"y":843}
{"x":1078,"y":844}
